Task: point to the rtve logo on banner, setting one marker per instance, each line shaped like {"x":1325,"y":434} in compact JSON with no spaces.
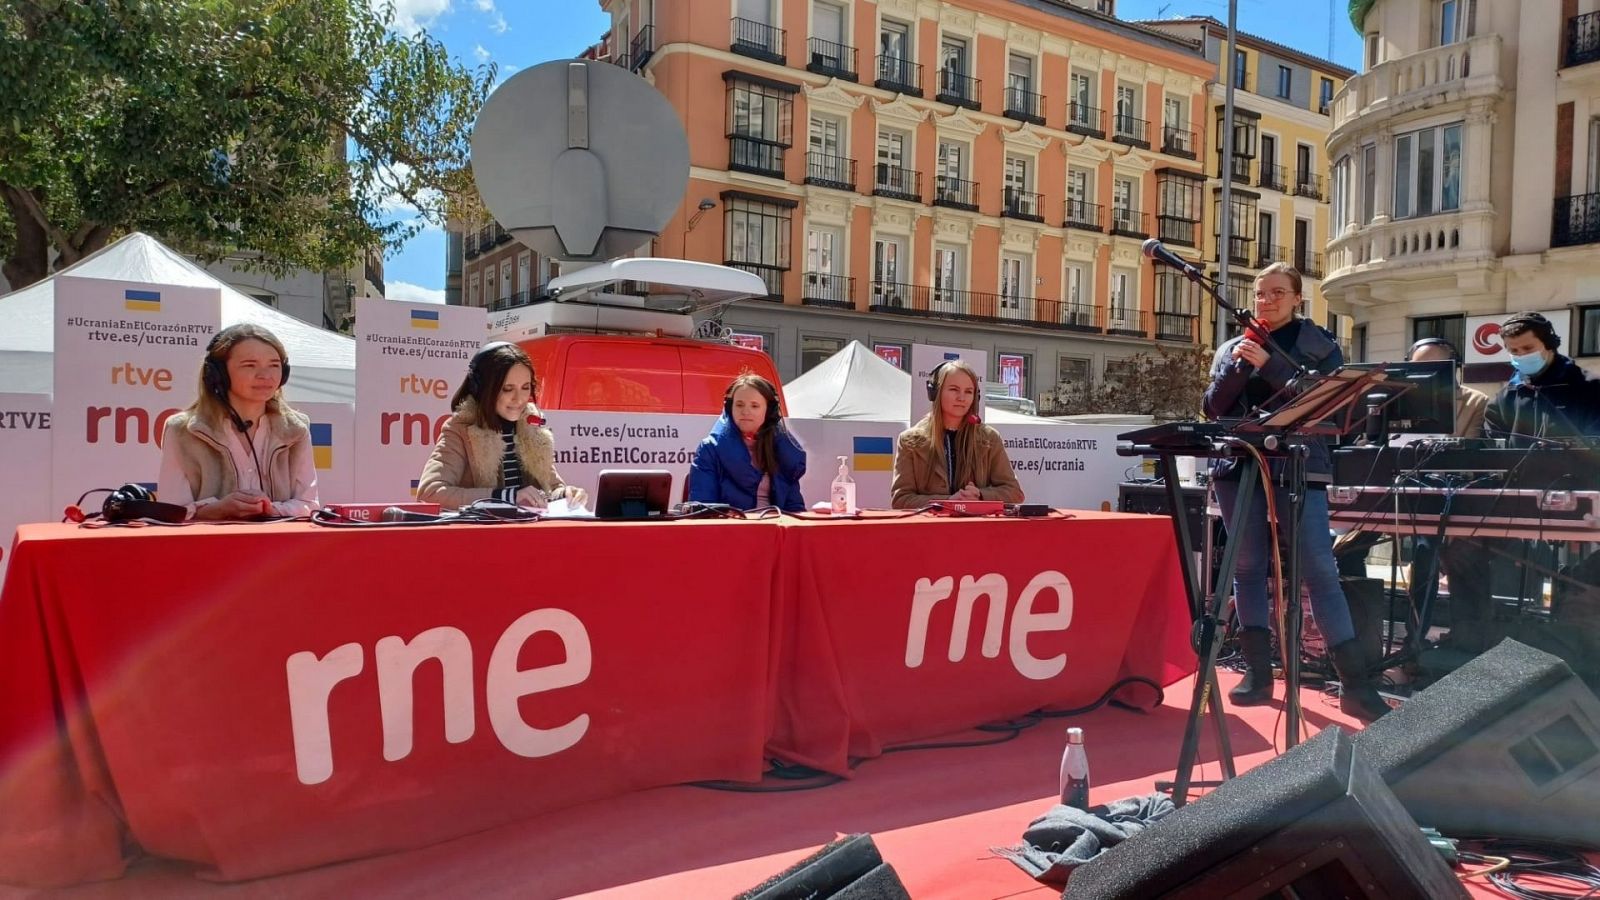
{"x":1024,"y":620}
{"x":415,"y":428}
{"x":132,"y":422}
{"x":312,"y":679}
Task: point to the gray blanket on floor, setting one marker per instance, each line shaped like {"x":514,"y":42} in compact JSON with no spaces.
{"x":1064,"y":838}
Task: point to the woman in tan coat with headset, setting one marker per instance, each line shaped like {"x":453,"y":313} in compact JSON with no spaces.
{"x":951,"y":454}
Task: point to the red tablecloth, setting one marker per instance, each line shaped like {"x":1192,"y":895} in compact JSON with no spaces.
{"x":237,"y":696}
{"x":1043,"y":612}
{"x":145,"y":678}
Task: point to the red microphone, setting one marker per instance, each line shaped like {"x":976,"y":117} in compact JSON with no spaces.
{"x":972,"y":419}
{"x":1257,"y":331}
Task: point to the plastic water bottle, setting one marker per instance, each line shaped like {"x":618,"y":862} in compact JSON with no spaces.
{"x":844,"y":490}
{"x":1075,"y":772}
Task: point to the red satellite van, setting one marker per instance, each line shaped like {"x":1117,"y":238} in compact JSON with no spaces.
{"x":595,"y":347}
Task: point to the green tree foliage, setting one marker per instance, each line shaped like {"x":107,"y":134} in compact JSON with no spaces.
{"x":1167,"y":384}
{"x":278,"y":126}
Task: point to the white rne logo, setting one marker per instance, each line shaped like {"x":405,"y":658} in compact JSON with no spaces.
{"x":312,"y":679}
{"x":1024,"y":621}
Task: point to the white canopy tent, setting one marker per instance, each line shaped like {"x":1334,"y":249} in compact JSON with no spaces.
{"x":324,"y":362}
{"x":857,"y":384}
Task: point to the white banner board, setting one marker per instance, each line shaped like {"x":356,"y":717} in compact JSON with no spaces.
{"x":1067,"y":466}
{"x":587,"y":443}
{"x":1483,"y":335}
{"x":333,"y":448}
{"x":25,"y":421}
{"x":127,"y":357}
{"x":869,"y":446}
{"x":927,"y":357}
{"x":410,"y":358}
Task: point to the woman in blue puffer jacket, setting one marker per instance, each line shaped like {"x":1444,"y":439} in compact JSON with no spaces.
{"x":750,"y":460}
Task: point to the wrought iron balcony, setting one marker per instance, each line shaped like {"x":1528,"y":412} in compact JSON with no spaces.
{"x":469,"y":244}
{"x":1126,"y":322}
{"x":1175,"y":326}
{"x":1308,"y":262}
{"x":899,"y":75}
{"x":758,"y":40}
{"x":1240,"y":170}
{"x":1129,"y":222}
{"x":642,"y":48}
{"x":1239,"y":249}
{"x":898,"y":182}
{"x":770,"y":275}
{"x":897,"y":296}
{"x":1177,"y":141}
{"x":1308,"y":184}
{"x":821,"y":289}
{"x":1272,"y":177}
{"x":829,"y":58}
{"x":1024,"y":105}
{"x":1577,"y":221}
{"x":1178,"y":230}
{"x":757,"y":156}
{"x":1267,"y":254}
{"x":1085,"y":215}
{"x":825,"y":170}
{"x":1084,"y":317}
{"x":957,"y":89}
{"x":1134,"y":132}
{"x":1086,"y":120}
{"x":956,"y":193}
{"x":1583,"y":39}
{"x":1020,"y":204}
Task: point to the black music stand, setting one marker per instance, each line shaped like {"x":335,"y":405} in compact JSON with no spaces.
{"x":1323,"y":406}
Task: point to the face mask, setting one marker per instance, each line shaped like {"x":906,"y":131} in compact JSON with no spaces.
{"x":1529,"y":364}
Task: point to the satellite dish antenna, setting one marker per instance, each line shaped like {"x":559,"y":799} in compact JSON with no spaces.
{"x":580,"y":160}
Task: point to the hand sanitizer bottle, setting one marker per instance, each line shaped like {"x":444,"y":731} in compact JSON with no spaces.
{"x":844,"y":490}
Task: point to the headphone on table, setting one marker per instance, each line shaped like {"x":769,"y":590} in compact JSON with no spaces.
{"x":474,"y":380}
{"x":214,"y":375}
{"x":131,"y":501}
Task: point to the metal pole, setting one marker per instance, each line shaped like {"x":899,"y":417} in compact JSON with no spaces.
{"x":1225,"y":166}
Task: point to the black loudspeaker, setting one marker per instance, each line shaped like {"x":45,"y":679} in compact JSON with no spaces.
{"x":1368,"y":609}
{"x":1508,"y":745}
{"x":1151,"y":499}
{"x":850,"y":868}
{"x":1315,"y":822}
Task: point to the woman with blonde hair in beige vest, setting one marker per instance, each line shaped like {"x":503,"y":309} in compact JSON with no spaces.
{"x":951,"y":454}
{"x":239,"y":451}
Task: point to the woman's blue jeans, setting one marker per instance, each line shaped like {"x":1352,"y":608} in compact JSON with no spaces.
{"x":1253,"y":563}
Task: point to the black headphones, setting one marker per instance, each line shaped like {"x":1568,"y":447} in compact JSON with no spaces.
{"x":1434,"y":342}
{"x":772,"y":407}
{"x":1542,"y":328}
{"x":933,"y":380}
{"x":214,"y":371}
{"x":473,"y":382}
{"x":131,"y":501}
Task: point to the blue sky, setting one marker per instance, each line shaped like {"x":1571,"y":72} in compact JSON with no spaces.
{"x":517,"y":34}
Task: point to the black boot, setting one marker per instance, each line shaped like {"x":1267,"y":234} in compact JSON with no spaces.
{"x":1255,"y":645}
{"x":1357,"y":694}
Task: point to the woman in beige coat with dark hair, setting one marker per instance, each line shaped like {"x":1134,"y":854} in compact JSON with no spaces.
{"x":495,"y":445}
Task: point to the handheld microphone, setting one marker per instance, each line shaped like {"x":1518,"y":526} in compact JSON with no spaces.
{"x":1157,"y":252}
{"x":396,"y":514}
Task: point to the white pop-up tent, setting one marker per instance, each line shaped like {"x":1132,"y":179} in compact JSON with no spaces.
{"x":324,"y":362}
{"x":857,"y":384}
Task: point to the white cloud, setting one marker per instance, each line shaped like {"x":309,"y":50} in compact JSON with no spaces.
{"x":480,"y":53}
{"x":497,"y":22}
{"x":412,"y":16}
{"x":414,"y":293}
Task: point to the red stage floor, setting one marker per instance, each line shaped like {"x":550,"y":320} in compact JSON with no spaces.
{"x":934,"y":814}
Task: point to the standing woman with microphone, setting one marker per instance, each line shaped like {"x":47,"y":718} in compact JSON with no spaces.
{"x":495,"y":446}
{"x":1244,"y":376}
{"x":239,"y":451}
{"x":950,"y":454}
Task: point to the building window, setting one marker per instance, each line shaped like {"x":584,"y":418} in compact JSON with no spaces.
{"x":1358,"y":343}
{"x":1240,"y":70}
{"x":815,"y":350}
{"x":1427,"y":171}
{"x":1014,"y":282}
{"x":1123,"y":310}
{"x":1594,"y":156}
{"x":1177,"y":306}
{"x":1124,"y":205}
{"x":1083,"y":112}
{"x":1242,"y":221}
{"x":1072,"y":370}
{"x":1451,"y":21}
{"x":758,"y":237}
{"x":1373,"y":50}
{"x":1369,"y":183}
{"x":1178,"y":206}
{"x":1285,"y":81}
{"x":953,"y":55}
{"x":1589,"y":331}
{"x":1451,"y":328}
{"x":760,"y":125}
{"x":1325,"y":96}
{"x":1340,"y":197}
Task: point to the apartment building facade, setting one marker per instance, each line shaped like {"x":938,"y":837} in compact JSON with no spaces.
{"x":1279,"y":205}
{"x":1466,"y":174}
{"x":903,"y":171}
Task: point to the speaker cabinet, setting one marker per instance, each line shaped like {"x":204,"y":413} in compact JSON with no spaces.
{"x":1315,"y":822}
{"x":1508,"y":745}
{"x":850,"y":868}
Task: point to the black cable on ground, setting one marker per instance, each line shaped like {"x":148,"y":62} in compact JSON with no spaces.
{"x":1527,"y":859}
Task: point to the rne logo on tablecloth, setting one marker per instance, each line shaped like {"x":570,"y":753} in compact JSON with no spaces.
{"x":929,"y":593}
{"x":141,"y":301}
{"x":312,"y":679}
{"x":322,"y":448}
